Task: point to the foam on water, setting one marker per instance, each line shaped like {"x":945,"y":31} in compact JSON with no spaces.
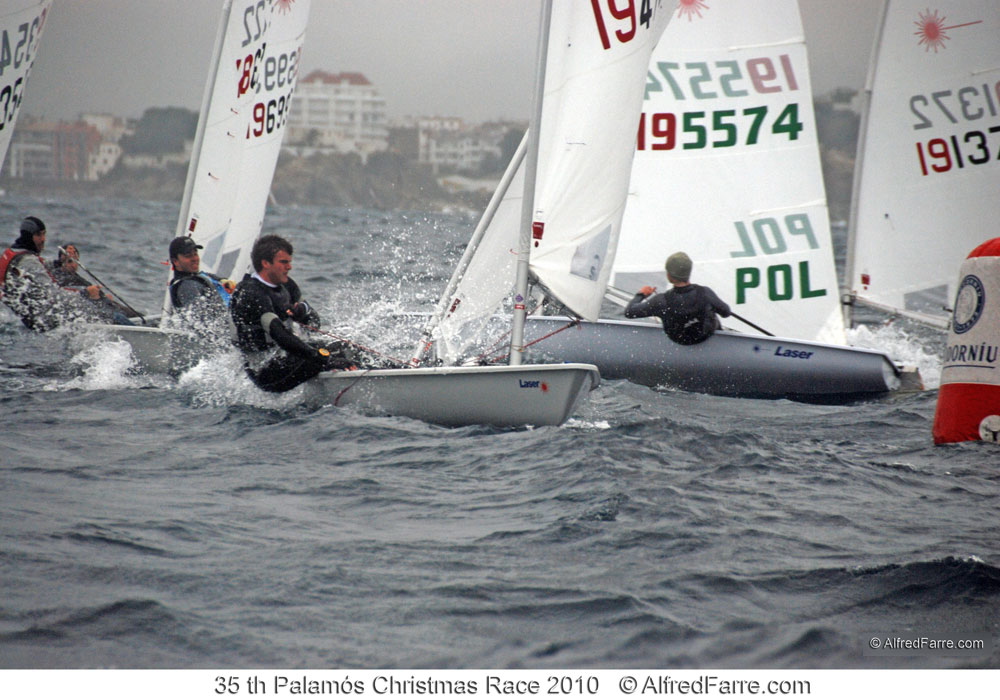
{"x":221,"y":381}
{"x":589,"y":425}
{"x":106,"y":364}
{"x":904,"y":346}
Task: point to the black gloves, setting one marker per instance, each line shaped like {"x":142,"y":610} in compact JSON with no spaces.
{"x":338,"y":359}
{"x":303,"y":313}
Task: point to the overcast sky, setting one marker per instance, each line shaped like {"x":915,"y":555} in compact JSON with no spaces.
{"x":467,"y":58}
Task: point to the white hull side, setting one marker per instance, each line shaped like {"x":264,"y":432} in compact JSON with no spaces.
{"x":727,"y":364}
{"x":496,"y":395}
{"x":159,"y":350}
{"x":454,"y":396}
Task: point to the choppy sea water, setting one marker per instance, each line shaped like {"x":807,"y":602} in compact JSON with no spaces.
{"x":150,"y":522}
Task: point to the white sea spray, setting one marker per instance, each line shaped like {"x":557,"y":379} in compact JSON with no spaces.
{"x":904,"y":346}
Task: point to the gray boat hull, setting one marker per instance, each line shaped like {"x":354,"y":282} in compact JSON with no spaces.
{"x":727,"y":364}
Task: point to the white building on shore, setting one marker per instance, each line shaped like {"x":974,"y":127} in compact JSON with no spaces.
{"x":342,"y":112}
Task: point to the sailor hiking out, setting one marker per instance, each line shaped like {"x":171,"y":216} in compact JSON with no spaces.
{"x":198,"y":300}
{"x":189,"y":284}
{"x":688,"y":311}
{"x":264,"y":306}
{"x":65,"y":271}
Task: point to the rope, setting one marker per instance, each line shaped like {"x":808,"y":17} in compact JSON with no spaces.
{"x":574,"y":322}
{"x":373,"y":351}
{"x":343,"y":391}
{"x":340,"y":394}
{"x":488,"y":350}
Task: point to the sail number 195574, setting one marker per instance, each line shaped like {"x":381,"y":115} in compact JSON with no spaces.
{"x":721,"y":128}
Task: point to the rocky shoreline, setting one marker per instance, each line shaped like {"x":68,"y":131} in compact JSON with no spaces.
{"x":386,"y":182}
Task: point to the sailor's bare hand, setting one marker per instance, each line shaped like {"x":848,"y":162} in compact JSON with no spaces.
{"x":647,"y":290}
{"x":94,"y":292}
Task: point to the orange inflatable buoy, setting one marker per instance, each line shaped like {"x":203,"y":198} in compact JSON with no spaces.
{"x":968,"y":404}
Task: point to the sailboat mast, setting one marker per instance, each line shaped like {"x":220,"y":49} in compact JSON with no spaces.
{"x":528,"y":204}
{"x":852,"y":222}
{"x":199,"y":137}
{"x":470,"y":250}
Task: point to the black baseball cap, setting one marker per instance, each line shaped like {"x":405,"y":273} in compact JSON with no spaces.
{"x":183,"y":245}
{"x":31,"y":225}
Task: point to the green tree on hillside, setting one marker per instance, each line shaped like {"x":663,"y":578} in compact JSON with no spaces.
{"x":161,"y":130}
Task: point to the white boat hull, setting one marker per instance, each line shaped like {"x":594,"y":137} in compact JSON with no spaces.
{"x":159,"y":350}
{"x":727,"y":364}
{"x":494,"y":395}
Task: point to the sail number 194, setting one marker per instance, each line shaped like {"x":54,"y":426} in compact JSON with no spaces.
{"x":627,"y":16}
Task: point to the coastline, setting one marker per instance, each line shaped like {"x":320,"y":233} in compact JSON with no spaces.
{"x":386,"y":181}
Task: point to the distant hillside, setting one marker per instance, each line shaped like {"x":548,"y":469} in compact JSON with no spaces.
{"x":837,"y":130}
{"x":388,"y":181}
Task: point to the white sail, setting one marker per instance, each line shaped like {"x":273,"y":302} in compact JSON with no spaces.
{"x":489,"y":275}
{"x":727,"y":169}
{"x":21,"y":25}
{"x":242,"y":122}
{"x":596,"y":58}
{"x":587,"y":137}
{"x":928,"y":168}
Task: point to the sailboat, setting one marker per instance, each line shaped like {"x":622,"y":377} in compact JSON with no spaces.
{"x":563,"y":194}
{"x":21,"y":25}
{"x":562,"y":202}
{"x":569,"y":224}
{"x":927,"y":171}
{"x":727,"y":169}
{"x":241,"y":124}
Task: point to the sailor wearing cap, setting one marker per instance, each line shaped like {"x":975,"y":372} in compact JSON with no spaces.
{"x":189,"y":284}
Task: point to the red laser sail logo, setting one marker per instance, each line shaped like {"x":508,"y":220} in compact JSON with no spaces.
{"x":691,"y":8}
{"x":932,"y":30}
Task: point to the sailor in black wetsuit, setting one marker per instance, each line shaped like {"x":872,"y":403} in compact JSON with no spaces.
{"x":688,"y":311}
{"x":263,"y":307}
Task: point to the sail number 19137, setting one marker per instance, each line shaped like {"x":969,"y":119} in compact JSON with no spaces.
{"x":940,"y":155}
{"x":943,"y":108}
